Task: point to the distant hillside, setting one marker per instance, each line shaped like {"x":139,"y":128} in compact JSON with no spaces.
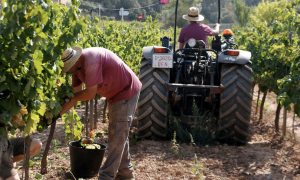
{"x":110,"y":8}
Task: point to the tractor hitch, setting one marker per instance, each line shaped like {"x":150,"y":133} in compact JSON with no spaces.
{"x":173,"y":86}
{"x":218,"y":90}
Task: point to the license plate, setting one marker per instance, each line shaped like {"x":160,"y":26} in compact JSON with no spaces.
{"x":162,"y":61}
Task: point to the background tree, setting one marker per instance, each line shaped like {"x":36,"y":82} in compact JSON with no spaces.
{"x":242,"y":12}
{"x":183,"y":6}
{"x":265,"y":11}
{"x":127,"y":4}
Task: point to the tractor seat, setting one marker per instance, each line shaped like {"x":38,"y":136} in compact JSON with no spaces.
{"x":188,"y":50}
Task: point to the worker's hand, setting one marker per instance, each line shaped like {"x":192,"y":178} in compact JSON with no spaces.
{"x":66,"y":99}
{"x":217,"y":24}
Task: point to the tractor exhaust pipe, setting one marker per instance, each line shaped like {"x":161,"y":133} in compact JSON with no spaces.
{"x":219,"y":10}
{"x":175,"y":25}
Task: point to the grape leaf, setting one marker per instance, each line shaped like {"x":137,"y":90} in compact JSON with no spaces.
{"x":27,"y":87}
{"x":42,"y":109}
{"x":38,"y":57}
{"x":31,"y":123}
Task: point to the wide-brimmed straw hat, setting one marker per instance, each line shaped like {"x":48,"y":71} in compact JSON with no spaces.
{"x":193,"y":15}
{"x":70,"y":57}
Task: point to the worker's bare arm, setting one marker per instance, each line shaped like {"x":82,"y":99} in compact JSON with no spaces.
{"x":78,"y":88}
{"x":82,"y":95}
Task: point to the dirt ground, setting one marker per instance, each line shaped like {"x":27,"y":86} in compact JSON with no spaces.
{"x":267,"y":156}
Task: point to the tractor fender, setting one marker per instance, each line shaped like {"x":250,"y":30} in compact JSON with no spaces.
{"x":243,"y":58}
{"x":148,"y":52}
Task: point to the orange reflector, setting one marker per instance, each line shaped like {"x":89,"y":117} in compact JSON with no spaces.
{"x":160,"y":50}
{"x":231,"y":53}
{"x":227,"y":32}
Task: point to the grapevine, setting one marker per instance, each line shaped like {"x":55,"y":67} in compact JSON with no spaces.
{"x":34,"y":35}
{"x":276,"y":61}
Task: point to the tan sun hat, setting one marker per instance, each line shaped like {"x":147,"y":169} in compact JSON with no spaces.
{"x":70,"y":57}
{"x":193,"y":15}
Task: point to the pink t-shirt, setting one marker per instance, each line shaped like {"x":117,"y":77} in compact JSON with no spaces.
{"x":116,"y":81}
{"x":196,"y":31}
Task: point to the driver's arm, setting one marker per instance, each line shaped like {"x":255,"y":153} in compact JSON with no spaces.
{"x":181,"y":45}
{"x":217,"y":29}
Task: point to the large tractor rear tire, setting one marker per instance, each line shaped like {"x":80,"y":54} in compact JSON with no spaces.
{"x":235,"y":104}
{"x":152,"y":120}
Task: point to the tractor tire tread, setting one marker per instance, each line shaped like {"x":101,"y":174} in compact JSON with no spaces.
{"x":152,"y":107}
{"x":228,"y":71}
{"x":244,"y":90}
{"x":157,"y":107}
{"x":147,"y":84}
{"x":230,"y":82}
{"x":235,"y":102}
{"x":145,"y":100}
{"x":159,"y":94}
{"x":240,"y":101}
{"x":228,"y":111}
{"x":157,"y":121}
{"x":229,"y":97}
{"x":149,"y":134}
{"x":146,"y":113}
{"x":146,"y":73}
{"x":157,"y":132}
{"x":244,"y":76}
{"x":158,"y":78}
{"x":145,"y":126}
{"x":227,"y":125}
{"x":232,"y":133}
{"x":240,"y":117}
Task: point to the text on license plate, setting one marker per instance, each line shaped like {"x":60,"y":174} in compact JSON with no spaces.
{"x":162,"y":61}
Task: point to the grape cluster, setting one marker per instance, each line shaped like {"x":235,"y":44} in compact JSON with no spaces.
{"x":17,"y":119}
{"x":48,"y":116}
{"x":93,"y":146}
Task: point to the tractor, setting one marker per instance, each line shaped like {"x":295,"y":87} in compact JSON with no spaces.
{"x":219,"y":77}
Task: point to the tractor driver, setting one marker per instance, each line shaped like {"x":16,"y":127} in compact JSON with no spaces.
{"x":196,"y":30}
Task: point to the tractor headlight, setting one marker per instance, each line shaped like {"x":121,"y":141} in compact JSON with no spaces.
{"x":191,"y":42}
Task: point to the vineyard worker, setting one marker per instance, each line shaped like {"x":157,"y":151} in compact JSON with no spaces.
{"x":14,"y":153}
{"x":104,"y":73}
{"x":196,"y":30}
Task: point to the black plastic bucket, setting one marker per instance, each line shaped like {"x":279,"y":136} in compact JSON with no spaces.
{"x":85,"y":163}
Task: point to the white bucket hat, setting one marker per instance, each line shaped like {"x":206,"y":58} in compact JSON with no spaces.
{"x":193,"y":15}
{"x":70,"y":57}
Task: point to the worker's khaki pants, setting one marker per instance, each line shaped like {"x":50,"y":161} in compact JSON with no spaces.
{"x":118,"y":159}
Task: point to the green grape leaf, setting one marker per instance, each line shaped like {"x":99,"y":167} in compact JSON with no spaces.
{"x":32,"y":93}
{"x":27,"y":87}
{"x":38,"y":176}
{"x":38,"y":57}
{"x":31,"y":123}
{"x":6,"y":116}
{"x":3,"y":78}
{"x":12,"y":83}
{"x":42,"y":108}
{"x":12,"y":104}
{"x":12,"y":131}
